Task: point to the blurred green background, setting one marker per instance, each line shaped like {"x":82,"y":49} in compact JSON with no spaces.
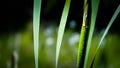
{"x":16,"y":35}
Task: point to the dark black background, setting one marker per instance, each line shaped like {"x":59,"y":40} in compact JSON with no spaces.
{"x":16,"y":13}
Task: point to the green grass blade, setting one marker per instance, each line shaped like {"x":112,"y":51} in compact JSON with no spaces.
{"x":36,"y":21}
{"x":106,"y":31}
{"x":109,"y":25}
{"x":62,"y":28}
{"x":95,"y":4}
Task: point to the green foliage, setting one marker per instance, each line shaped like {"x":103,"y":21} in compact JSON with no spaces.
{"x":82,"y":43}
{"x":50,"y":46}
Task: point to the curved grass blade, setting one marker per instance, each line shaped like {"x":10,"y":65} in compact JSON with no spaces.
{"x":36,"y":21}
{"x":106,"y":31}
{"x":62,"y":28}
{"x":95,"y":4}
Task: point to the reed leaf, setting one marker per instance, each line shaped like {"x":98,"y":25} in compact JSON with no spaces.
{"x":36,"y":24}
{"x":95,"y":4}
{"x":106,"y":31}
{"x":62,"y":28}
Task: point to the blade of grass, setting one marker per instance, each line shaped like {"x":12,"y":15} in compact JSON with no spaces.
{"x":62,"y":28}
{"x":36,"y":21}
{"x":95,"y":4}
{"x":106,"y":31}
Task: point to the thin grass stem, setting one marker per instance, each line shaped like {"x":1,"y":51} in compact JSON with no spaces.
{"x":83,"y":37}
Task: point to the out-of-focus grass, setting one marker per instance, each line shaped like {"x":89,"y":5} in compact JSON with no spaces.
{"x":108,"y":56}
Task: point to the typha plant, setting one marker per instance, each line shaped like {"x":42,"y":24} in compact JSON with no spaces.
{"x":86,"y":33}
